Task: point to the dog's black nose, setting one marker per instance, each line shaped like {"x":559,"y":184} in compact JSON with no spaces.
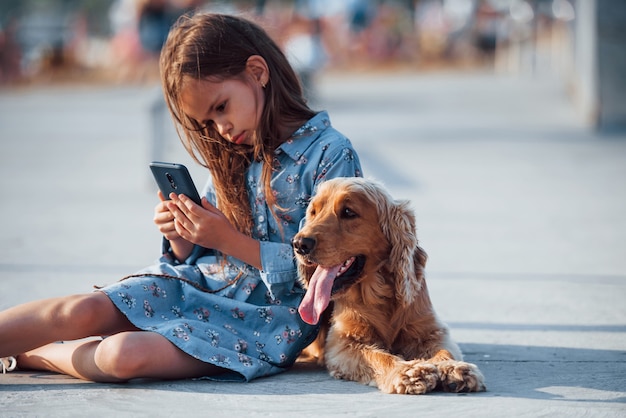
{"x":303,"y":245}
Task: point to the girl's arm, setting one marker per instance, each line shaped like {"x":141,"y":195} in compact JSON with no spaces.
{"x":243,"y":248}
{"x":181,"y":249}
{"x":208,"y":227}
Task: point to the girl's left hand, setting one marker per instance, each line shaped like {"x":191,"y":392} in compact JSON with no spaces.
{"x":202,"y":225}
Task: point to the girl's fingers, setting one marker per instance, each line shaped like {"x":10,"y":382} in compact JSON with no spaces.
{"x":189,"y":208}
{"x":183,"y":218}
{"x":177,"y":213}
{"x":208,"y":206}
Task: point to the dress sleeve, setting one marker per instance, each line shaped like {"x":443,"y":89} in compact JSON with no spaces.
{"x":279,"y":267}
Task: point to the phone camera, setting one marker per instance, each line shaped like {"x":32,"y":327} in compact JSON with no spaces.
{"x":171,"y":180}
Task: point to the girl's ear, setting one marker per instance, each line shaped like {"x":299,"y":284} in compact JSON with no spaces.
{"x":257,"y":67}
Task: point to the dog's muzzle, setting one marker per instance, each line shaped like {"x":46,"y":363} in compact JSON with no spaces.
{"x":303,"y":245}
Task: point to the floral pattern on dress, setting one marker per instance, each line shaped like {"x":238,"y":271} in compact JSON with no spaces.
{"x":183,"y":331}
{"x":127,"y":299}
{"x":262,"y":355}
{"x":147,"y":309}
{"x":202,"y":314}
{"x":221,"y":360}
{"x":245,"y":360}
{"x":237,"y":314}
{"x":155,"y":289}
{"x":288,"y":335}
{"x":266,"y":314}
{"x":214,"y":337}
{"x":177,"y":311}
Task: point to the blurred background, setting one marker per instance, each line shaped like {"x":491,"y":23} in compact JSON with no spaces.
{"x":582,"y":42}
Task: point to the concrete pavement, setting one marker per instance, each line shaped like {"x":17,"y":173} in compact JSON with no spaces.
{"x":519,"y":206}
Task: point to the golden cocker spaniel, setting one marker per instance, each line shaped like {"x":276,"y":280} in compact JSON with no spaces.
{"x":360,"y":262}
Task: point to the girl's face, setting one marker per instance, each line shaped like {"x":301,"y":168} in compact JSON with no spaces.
{"x":232,"y":107}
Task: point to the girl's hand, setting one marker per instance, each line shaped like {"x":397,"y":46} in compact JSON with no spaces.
{"x":164,"y":219}
{"x":208,"y":227}
{"x":202,"y":225}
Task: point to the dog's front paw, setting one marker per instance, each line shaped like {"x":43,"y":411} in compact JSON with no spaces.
{"x":459,"y":376}
{"x":411,"y":378}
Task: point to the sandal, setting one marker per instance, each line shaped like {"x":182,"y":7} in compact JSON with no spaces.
{"x":8,"y":364}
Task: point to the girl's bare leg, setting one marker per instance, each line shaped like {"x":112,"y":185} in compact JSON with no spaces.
{"x":28,"y":330}
{"x":31,"y":325}
{"x":118,"y":358}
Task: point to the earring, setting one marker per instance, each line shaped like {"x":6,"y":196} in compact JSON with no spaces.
{"x":263,"y":84}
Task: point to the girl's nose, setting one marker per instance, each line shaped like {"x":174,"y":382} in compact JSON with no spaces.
{"x":223,"y":127}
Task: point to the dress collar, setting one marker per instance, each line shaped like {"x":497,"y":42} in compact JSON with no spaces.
{"x":304,"y":136}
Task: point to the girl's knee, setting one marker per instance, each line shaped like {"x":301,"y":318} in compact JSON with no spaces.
{"x":82,"y":312}
{"x":122,"y":356}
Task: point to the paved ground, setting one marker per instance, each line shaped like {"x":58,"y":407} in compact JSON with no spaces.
{"x":520,"y":207}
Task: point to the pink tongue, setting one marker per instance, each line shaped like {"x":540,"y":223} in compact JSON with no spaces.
{"x":317,"y":296}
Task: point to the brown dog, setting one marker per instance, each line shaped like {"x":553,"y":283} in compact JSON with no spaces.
{"x":358,"y":247}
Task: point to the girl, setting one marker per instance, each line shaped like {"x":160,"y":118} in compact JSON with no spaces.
{"x":222,"y":302}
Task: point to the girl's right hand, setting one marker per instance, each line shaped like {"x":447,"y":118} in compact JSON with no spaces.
{"x":164,"y":220}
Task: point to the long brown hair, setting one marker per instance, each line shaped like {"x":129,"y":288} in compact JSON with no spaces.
{"x":218,"y":46}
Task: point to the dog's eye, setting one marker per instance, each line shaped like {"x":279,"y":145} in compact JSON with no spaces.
{"x":348,"y":213}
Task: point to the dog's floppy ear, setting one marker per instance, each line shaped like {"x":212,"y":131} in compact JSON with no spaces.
{"x":406,"y":259}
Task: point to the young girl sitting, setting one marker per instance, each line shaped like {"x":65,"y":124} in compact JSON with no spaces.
{"x":223,"y":300}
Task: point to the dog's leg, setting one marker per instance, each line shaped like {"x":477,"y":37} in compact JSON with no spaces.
{"x":457,"y":376}
{"x":413,"y":377}
{"x":375,"y":367}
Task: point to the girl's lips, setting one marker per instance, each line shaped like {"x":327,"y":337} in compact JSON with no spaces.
{"x":239,"y":138}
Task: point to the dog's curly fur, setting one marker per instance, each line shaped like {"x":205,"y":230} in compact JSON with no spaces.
{"x":383,"y":330}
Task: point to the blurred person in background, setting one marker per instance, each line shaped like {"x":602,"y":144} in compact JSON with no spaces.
{"x":140,"y":28}
{"x":10,"y":53}
{"x":305,"y":50}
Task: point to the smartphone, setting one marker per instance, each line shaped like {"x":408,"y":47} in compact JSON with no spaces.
{"x":174,"y":178}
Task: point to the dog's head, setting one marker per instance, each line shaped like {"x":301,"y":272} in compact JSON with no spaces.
{"x":354,"y":231}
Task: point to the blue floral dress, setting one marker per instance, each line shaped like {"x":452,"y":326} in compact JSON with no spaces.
{"x":249,"y":324}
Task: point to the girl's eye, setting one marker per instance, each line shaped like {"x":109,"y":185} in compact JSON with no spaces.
{"x":221,"y":107}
